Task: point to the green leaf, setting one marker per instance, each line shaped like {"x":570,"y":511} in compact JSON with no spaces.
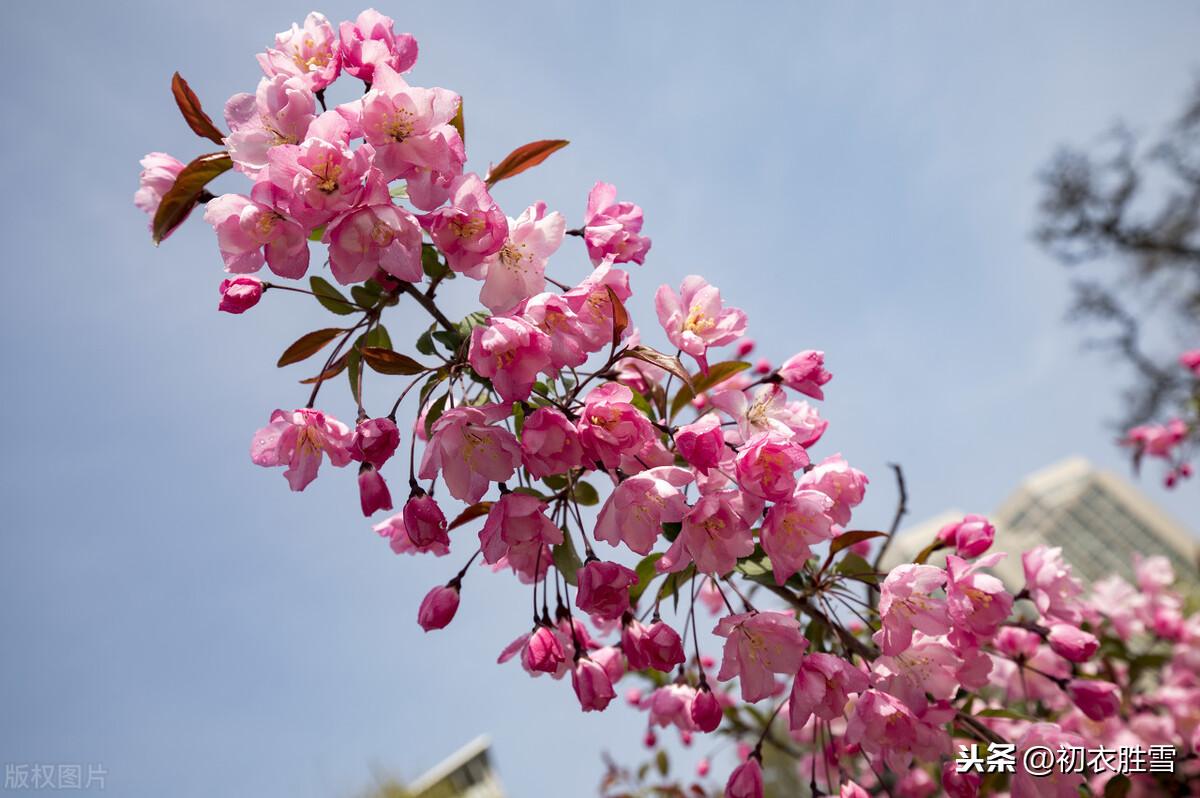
{"x":308,"y":345}
{"x":378,"y":337}
{"x":385,"y":361}
{"x":669,"y":363}
{"x":518,"y":417}
{"x":458,"y":124}
{"x":185,"y":192}
{"x":329,"y":297}
{"x":1118,"y":786}
{"x":524,"y":157}
{"x":936,"y":545}
{"x":585,"y":495}
{"x":671,"y":530}
{"x":662,"y":763}
{"x":435,"y":412}
{"x":717,"y":374}
{"x":353,"y":368}
{"x":555,"y":481}
{"x":534,"y":492}
{"x":364,"y":296}
{"x":471,"y":321}
{"x":566,"y":559}
{"x":317,"y":234}
{"x":757,"y":564}
{"x":189,"y":105}
{"x":431,"y":261}
{"x":398,"y":191}
{"x":853,"y":565}
{"x":645,"y":573}
{"x":425,"y":343}
{"x":450,"y":339}
{"x":434,"y":379}
{"x":815,"y":633}
{"x":671,"y":585}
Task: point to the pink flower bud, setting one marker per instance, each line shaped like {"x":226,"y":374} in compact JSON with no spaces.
{"x":852,"y":790}
{"x":372,"y":490}
{"x":970,"y":537}
{"x":1072,"y":642}
{"x":701,"y":443}
{"x":650,"y":740}
{"x":633,"y":696}
{"x":805,"y":373}
{"x":663,"y":647}
{"x":745,"y":347}
{"x":702,"y":767}
{"x":375,"y":440}
{"x":633,"y":637}
{"x":438,"y":608}
{"x":685,"y":737}
{"x":240,"y":294}
{"x":1096,"y":699}
{"x":959,"y":785}
{"x":592,"y":685}
{"x":746,"y":780}
{"x":371,"y":40}
{"x":763,"y":366}
{"x":544,"y":652}
{"x":424,"y":521}
{"x":706,"y":710}
{"x":604,"y":589}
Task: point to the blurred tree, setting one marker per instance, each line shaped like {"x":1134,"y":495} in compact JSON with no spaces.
{"x":1127,"y":215}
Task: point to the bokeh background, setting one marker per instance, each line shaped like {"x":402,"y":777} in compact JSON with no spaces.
{"x":860,"y":178}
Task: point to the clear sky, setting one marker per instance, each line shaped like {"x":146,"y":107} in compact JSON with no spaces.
{"x":858,"y":177}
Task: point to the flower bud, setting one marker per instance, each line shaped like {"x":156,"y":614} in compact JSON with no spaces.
{"x":706,"y":710}
{"x":763,"y":366}
{"x":970,"y":537}
{"x":702,"y":767}
{"x":663,"y":647}
{"x":1096,"y":699}
{"x":240,"y":294}
{"x":372,"y":490}
{"x":543,"y":652}
{"x":592,"y":685}
{"x":1072,"y":642}
{"x":438,"y":608}
{"x":701,"y":443}
{"x":375,"y":441}
{"x":424,"y":521}
{"x":745,"y":347}
{"x":805,"y":373}
{"x":633,"y":635}
{"x":746,"y":780}
{"x":604,"y":589}
{"x":959,"y":785}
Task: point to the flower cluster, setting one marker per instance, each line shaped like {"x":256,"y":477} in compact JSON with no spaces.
{"x":1170,"y":442}
{"x":710,"y":495}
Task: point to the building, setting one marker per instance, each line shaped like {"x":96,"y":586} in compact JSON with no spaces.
{"x":1099,"y":520}
{"x":467,"y":773}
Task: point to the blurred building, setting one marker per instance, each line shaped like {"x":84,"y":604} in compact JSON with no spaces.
{"x":1099,"y":520}
{"x":467,"y":773}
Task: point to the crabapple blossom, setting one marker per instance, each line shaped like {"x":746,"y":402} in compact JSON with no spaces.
{"x":845,"y":485}
{"x":438,"y":608}
{"x":805,"y":373}
{"x":517,"y":271}
{"x":159,"y":171}
{"x":470,"y":452}
{"x":310,"y":53}
{"x":905,"y":604}
{"x":1050,"y":584}
{"x":240,"y":294}
{"x":425,"y":521}
{"x":279,"y":112}
{"x":321,"y":177}
{"x":611,"y":229}
{"x":372,"y":237}
{"x":746,"y":781}
{"x":702,"y":443}
{"x":543,"y":652}
{"x":517,"y":524}
{"x":592,"y":685}
{"x":662,"y":647}
{"x":706,"y":710}
{"x":638,"y":507}
{"x":671,"y":705}
{"x":1071,"y":642}
{"x":793,"y":525}
{"x":591,"y":302}
{"x":1058,"y":782}
{"x":409,"y":127}
{"x":371,"y":42}
{"x":551,"y":314}
{"x":970,"y":537}
{"x":396,"y":531}
{"x":757,"y":646}
{"x":604,"y":589}
{"x":375,"y":441}
{"x":373,"y":490}
{"x":695,"y":319}
{"x":610,"y":426}
{"x":510,"y":352}
{"x":470,"y":229}
{"x":250,"y":233}
{"x":300,"y":439}
{"x":766,"y":466}
{"x":713,"y":537}
{"x":822,"y":687}
{"x":770,"y":411}
{"x":976,"y":601}
{"x":549,"y":443}
{"x":1096,"y":699}
{"x":1190,"y":360}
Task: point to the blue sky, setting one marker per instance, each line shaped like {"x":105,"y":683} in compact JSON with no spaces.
{"x":858,"y":177}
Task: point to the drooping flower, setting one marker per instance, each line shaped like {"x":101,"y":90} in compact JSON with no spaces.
{"x":300,"y":439}
{"x":544,"y":651}
{"x":515,"y":529}
{"x":159,"y":171}
{"x":611,"y":229}
{"x":375,"y":440}
{"x":470,"y":452}
{"x":470,"y":228}
{"x":1190,"y":360}
{"x":1053,"y":782}
{"x":791,"y":527}
{"x":1071,"y":642}
{"x":549,"y":443}
{"x":638,"y":507}
{"x":960,"y":785}
{"x":425,"y":521}
{"x":884,"y":726}
{"x":766,"y":466}
{"x":604,"y":589}
{"x":240,"y":294}
{"x":757,"y":646}
{"x":279,"y":112}
{"x":905,"y":604}
{"x":662,"y":647}
{"x":671,"y":705}
{"x":510,"y":352}
{"x":695,"y":319}
{"x":970,"y":537}
{"x":396,"y":531}
{"x":834,"y":477}
{"x":1157,"y":440}
{"x":592,"y":685}
{"x":805,"y":373}
{"x":371,"y":41}
{"x":746,"y":781}
{"x":373,"y":491}
{"x":438,"y":607}
{"x":714,"y":536}
{"x":822,"y":687}
{"x":518,"y":270}
{"x":706,"y":710}
{"x":1095,"y":698}
{"x":310,"y":53}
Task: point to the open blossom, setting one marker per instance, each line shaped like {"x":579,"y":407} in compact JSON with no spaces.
{"x":702,"y":443}
{"x":928,"y":669}
{"x":884,"y":726}
{"x":300,"y":439}
{"x":1157,"y":440}
{"x":516,"y":525}
{"x":1056,"y":782}
{"x":470,"y":229}
{"x":905,"y":604}
{"x":373,"y":237}
{"x":159,"y":171}
{"x":610,"y":426}
{"x":279,"y":112}
{"x":638,"y":507}
{"x":757,"y":646}
{"x":510,"y":352}
{"x":438,"y":607}
{"x":409,"y":127}
{"x":250,"y":233}
{"x":1050,"y":584}
{"x":309,"y":52}
{"x":425,"y":521}
{"x":834,"y":477}
{"x":518,"y":270}
{"x":766,"y":466}
{"x":549,"y":443}
{"x":805,"y":373}
{"x":976,"y":602}
{"x":543,"y":652}
{"x":671,"y":705}
{"x":592,"y":684}
{"x":593,"y":305}
{"x":611,"y":228}
{"x":396,"y":531}
{"x":371,"y":41}
{"x":551,"y":314}
{"x":321,"y":177}
{"x":822,"y":687}
{"x":375,"y":441}
{"x":791,"y":527}
{"x":470,"y":452}
{"x":970,"y":537}
{"x":240,"y":294}
{"x":746,"y":781}
{"x":959,"y":785}
{"x":770,"y":411}
{"x":696,"y":319}
{"x":604,"y":589}
{"x":714,"y":536}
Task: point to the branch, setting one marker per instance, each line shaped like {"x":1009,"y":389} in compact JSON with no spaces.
{"x":901,"y":510}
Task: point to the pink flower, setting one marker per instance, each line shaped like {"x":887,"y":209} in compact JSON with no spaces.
{"x":610,"y":228}
{"x":714,"y":536}
{"x":551,"y":314}
{"x":409,"y":127}
{"x":758,"y":645}
{"x":298,"y":440}
{"x":1071,"y":642}
{"x":516,"y":527}
{"x":929,"y":668}
{"x":1157,"y":440}
{"x":822,"y":687}
{"x":1057,"y":782}
{"x":960,"y":785}
{"x":438,"y":607}
{"x":1154,"y":574}
{"x":1096,"y":699}
{"x":510,"y":352}
{"x":805,"y":373}
{"x":766,"y":466}
{"x":373,"y":237}
{"x":770,"y":412}
{"x":425,"y":521}
{"x":1191,"y":360}
{"x":662,"y":647}
{"x":375,"y":440}
{"x":373,"y":492}
{"x":470,"y":229}
{"x":638,"y":507}
{"x":695,"y":318}
{"x":549,"y":443}
{"x":245,"y":229}
{"x":395,"y":530}
{"x":791,"y":527}
{"x":633,"y":634}
{"x":240,"y":294}
{"x":702,"y":443}
{"x":543,"y":653}
{"x":905,"y":604}
{"x":592,"y":305}
{"x":279,"y":112}
{"x":706,"y":710}
{"x":1050,"y":584}
{"x":976,"y":602}
{"x":371,"y":41}
{"x":970,"y":537}
{"x":609,"y":425}
{"x":159,"y":171}
{"x":885,"y":727}
{"x":671,"y":705}
{"x":834,"y":477}
{"x":604,"y":589}
{"x":852,"y":790}
{"x":592,"y":685}
{"x":746,"y":781}
{"x":518,"y":270}
{"x":321,"y":177}
{"x":310,"y":53}
{"x":469,"y":452}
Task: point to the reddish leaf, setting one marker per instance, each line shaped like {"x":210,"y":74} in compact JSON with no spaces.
{"x":385,"y":361}
{"x":178,"y":202}
{"x":335,"y":368}
{"x":193,"y":114}
{"x":458,"y":124}
{"x":619,"y":314}
{"x":654,"y":357}
{"x":522,"y":158}
{"x":848,"y":539}
{"x":470,"y":514}
{"x":308,"y":345}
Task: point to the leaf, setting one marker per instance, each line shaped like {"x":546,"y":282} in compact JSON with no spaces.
{"x":335,"y":368}
{"x":524,"y":157}
{"x":853,"y":565}
{"x":331,"y":298}
{"x":470,"y":514}
{"x":425,"y":343}
{"x":434,"y":380}
{"x":757,"y":564}
{"x":178,"y":202}
{"x":193,"y":114}
{"x":645,"y":574}
{"x":585,"y":495}
{"x":435,"y":412}
{"x":518,"y":418}
{"x":354,"y":367}
{"x":385,"y":361}
{"x":671,"y":585}
{"x":431,"y":262}
{"x":458,"y":124}
{"x":928,"y":550}
{"x":620,"y":316}
{"x":662,"y":763}
{"x":366,"y":295}
{"x":566,"y":559}
{"x":848,"y":539}
{"x":1118,"y":786}
{"x":654,"y":357}
{"x":716,"y":375}
{"x":671,"y":530}
{"x":1003,"y":713}
{"x":308,"y":345}
{"x":317,"y":234}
